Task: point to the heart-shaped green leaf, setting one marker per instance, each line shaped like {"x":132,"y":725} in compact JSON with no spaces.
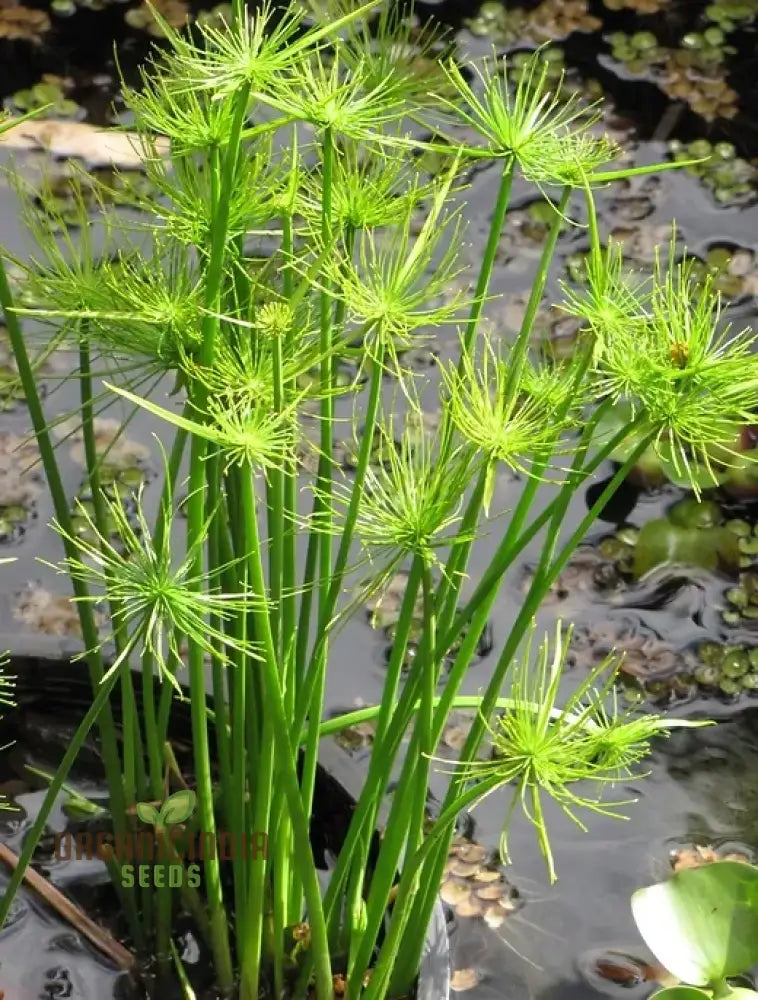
{"x":178,"y":807}
{"x":660,"y":542}
{"x":702,"y":923}
{"x":147,"y":813}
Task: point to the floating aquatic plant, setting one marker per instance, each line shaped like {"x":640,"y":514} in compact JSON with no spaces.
{"x":19,"y":23}
{"x":731,"y":179}
{"x":729,"y":15}
{"x":50,"y":95}
{"x":152,"y":17}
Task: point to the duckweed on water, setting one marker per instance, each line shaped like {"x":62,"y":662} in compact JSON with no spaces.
{"x":639,"y":51}
{"x":731,"y":14}
{"x":640,"y":6}
{"x":694,"y":72}
{"x":729,"y":669}
{"x":474,"y":885}
{"x":502,"y":26}
{"x":742,"y":600}
{"x":731,"y":180}
{"x":732,"y":270}
{"x":19,"y":485}
{"x":548,"y":21}
{"x":50,"y":94}
{"x":51,"y":614}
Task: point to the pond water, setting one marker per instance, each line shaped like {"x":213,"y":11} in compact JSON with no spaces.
{"x":701,"y":787}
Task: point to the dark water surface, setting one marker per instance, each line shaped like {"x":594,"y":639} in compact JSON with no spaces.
{"x":701,"y":786}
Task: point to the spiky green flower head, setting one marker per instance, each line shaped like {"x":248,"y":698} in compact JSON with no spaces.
{"x":246,"y":431}
{"x":392,"y":43}
{"x":182,"y":195}
{"x":613,"y":297}
{"x":63,"y":277}
{"x":548,"y":137}
{"x":246,"y":367}
{"x":155,"y":600}
{"x":223,"y":58}
{"x":142,"y":309}
{"x":163,"y":106}
{"x":347,"y":100}
{"x":510,"y":410}
{"x":274,"y":319}
{"x":369,"y":189}
{"x":545,"y":750}
{"x":247,"y":55}
{"x":692,"y":381}
{"x":411,"y":498}
{"x":393,"y":286}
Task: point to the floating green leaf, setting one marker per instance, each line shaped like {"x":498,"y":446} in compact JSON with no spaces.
{"x":661,"y":542}
{"x":681,"y":993}
{"x":702,"y":923}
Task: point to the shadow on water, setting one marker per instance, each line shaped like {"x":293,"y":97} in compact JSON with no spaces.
{"x":701,"y":787}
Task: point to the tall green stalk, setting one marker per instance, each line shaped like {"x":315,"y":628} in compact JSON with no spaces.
{"x":60,"y":505}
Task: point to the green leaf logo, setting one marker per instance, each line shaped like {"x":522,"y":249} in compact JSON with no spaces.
{"x":178,"y":807}
{"x":148,"y":813}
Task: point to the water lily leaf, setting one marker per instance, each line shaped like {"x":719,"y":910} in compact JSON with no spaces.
{"x":702,"y":923}
{"x":610,"y":424}
{"x":647,"y":471}
{"x":178,"y":807}
{"x":148,"y":813}
{"x":696,"y":474}
{"x":660,"y":542}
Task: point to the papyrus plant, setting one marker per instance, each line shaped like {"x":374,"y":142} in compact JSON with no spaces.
{"x":358,"y":261}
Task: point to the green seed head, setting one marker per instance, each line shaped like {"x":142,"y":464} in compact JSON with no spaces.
{"x":274,"y":319}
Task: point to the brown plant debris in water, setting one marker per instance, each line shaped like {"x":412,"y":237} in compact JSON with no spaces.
{"x":462,"y":980}
{"x":559,"y":18}
{"x":645,"y":655}
{"x":174,"y":12}
{"x":97,"y":146}
{"x":117,"y":450}
{"x":51,"y":614}
{"x":19,"y":470}
{"x":697,"y":855}
{"x":19,"y":23}
{"x":474,"y":885}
